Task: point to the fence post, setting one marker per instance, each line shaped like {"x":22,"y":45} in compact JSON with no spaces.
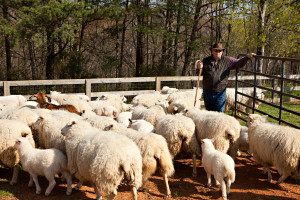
{"x":158,"y":84}
{"x":6,"y":88}
{"x":88,"y":87}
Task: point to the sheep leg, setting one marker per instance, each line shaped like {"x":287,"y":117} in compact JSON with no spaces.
{"x":14,"y":179}
{"x":30,"y":182}
{"x":134,"y":193}
{"x":112,"y":195}
{"x":50,"y":178}
{"x":167,"y":185}
{"x":99,"y":196}
{"x":223,"y":188}
{"x":78,"y":186}
{"x":218,"y":184}
{"x":228,"y":186}
{"x":269,"y":175}
{"x":282,"y":178}
{"x":36,"y":182}
{"x":208,"y":179}
{"x":194,"y":166}
{"x":68,"y":178}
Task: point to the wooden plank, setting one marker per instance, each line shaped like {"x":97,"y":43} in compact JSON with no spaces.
{"x":157,"y":84}
{"x":123,"y":80}
{"x":6,"y":88}
{"x":47,"y":82}
{"x":123,"y":93}
{"x":88,"y":88}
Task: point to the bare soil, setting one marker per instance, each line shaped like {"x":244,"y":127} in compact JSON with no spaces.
{"x":250,"y":184}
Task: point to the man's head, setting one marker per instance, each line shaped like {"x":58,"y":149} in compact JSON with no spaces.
{"x":217,"y":50}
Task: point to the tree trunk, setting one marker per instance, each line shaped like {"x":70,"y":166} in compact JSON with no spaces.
{"x":123,"y":42}
{"x":50,"y":56}
{"x":262,"y":8}
{"x":7,"y":45}
{"x":139,"y":44}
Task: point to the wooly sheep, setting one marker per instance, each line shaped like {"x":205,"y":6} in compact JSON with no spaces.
{"x":46,"y":162}
{"x":151,"y":114}
{"x":154,"y":150}
{"x":141,"y":125}
{"x":184,"y":95}
{"x":101,"y":158}
{"x":230,"y":99}
{"x":148,"y":100}
{"x":80,"y":105}
{"x":274,"y":145}
{"x":124,"y":117}
{"x":224,"y":128}
{"x":218,"y":164}
{"x":114,"y":100}
{"x":13,"y":100}
{"x":168,"y":90}
{"x":60,"y":98}
{"x":107,"y":110}
{"x":23,"y":114}
{"x":99,"y":122}
{"x":243,"y":140}
{"x":179,"y":132}
{"x":181,"y":105}
{"x":10,"y":130}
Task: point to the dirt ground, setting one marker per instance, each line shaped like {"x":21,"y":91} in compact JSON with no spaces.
{"x":250,"y":184}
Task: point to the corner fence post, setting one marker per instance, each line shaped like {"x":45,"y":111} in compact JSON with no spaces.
{"x":158,"y":84}
{"x":88,"y":87}
{"x":6,"y":87}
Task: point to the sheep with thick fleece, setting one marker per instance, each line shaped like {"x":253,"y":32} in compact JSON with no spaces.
{"x":23,"y":114}
{"x":46,"y":162}
{"x":114,"y":100}
{"x":243,"y":139}
{"x":154,"y":150}
{"x":179,"y":132}
{"x":80,"y":105}
{"x":218,"y":164}
{"x":224,"y":128}
{"x":60,"y":98}
{"x":107,"y":110}
{"x":190,"y":94}
{"x":124,"y":117}
{"x":274,"y":145}
{"x":149,"y":99}
{"x":151,"y":114}
{"x":10,"y":130}
{"x":230,"y":99}
{"x":180,"y":105}
{"x":141,"y":125}
{"x":101,"y":158}
{"x":168,"y":90}
{"x":13,"y":100}
{"x":99,"y":122}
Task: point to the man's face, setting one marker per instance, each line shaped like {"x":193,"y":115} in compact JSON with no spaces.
{"x":217,"y":53}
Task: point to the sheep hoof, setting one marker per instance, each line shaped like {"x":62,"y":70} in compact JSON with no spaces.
{"x":208,"y":185}
{"x":169,"y":195}
{"x":68,"y":193}
{"x":38,"y":192}
{"x":47,"y":193}
{"x":224,"y":198}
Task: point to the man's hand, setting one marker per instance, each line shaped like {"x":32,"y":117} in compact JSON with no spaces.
{"x":251,"y":55}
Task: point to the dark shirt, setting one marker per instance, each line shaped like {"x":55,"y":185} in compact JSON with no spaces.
{"x":216,"y":73}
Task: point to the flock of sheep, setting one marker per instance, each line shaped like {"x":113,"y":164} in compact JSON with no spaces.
{"x":111,"y":143}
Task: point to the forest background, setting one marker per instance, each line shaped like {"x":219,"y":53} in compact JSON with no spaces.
{"x":47,"y":39}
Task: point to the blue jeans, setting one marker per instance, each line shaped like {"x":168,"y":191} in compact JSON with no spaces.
{"x":214,"y":101}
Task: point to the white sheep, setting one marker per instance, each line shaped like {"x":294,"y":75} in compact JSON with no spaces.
{"x":23,"y":114}
{"x":168,"y":90}
{"x":154,"y":150}
{"x":124,"y":117}
{"x":43,"y":162}
{"x":109,"y":111}
{"x":141,"y":125}
{"x":10,"y":130}
{"x":101,"y":158}
{"x":80,"y":105}
{"x":185,"y":94}
{"x":224,"y":128}
{"x":243,"y":140}
{"x":151,"y":114}
{"x":274,"y":145}
{"x":114,"y":100}
{"x":149,"y":99}
{"x":13,"y":100}
{"x":60,"y":98}
{"x":179,"y":132}
{"x":181,"y":105}
{"x":99,"y":122}
{"x":218,"y":164}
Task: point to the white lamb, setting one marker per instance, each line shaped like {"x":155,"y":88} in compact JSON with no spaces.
{"x":99,"y":122}
{"x":243,"y":139}
{"x":114,"y":100}
{"x":179,"y":132}
{"x":224,"y":128}
{"x":10,"y":130}
{"x":23,"y":114}
{"x":185,"y":94}
{"x":46,"y":162}
{"x":109,"y":111}
{"x":60,"y":98}
{"x":218,"y":164}
{"x":151,"y":114}
{"x":273,"y":144}
{"x":103,"y":159}
{"x":124,"y":117}
{"x":154,"y":150}
{"x":13,"y":100}
{"x":141,"y":125}
{"x":149,"y":99}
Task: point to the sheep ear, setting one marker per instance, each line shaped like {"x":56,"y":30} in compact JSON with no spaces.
{"x":115,"y":114}
{"x":73,"y":122}
{"x":250,"y":117}
{"x":24,"y":134}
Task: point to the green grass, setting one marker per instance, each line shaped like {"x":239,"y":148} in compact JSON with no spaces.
{"x":5,"y":194}
{"x":176,"y":194}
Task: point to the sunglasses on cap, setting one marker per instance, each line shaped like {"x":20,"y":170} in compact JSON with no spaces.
{"x":217,"y":51}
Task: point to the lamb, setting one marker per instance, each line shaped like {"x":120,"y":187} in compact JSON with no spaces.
{"x":148,"y":100}
{"x":224,"y":128}
{"x":151,"y":114}
{"x":80,"y":105}
{"x":60,"y":98}
{"x":154,"y":150}
{"x":230,"y":99}
{"x":179,"y":132}
{"x":99,"y":122}
{"x":114,"y":100}
{"x":10,"y":130}
{"x":184,"y":94}
{"x":101,"y":158}
{"x":13,"y":100}
{"x":141,"y":125}
{"x":124,"y":117}
{"x":243,"y":139}
{"x":107,"y":110}
{"x":273,"y":144}
{"x":218,"y":164}
{"x":181,"y":105}
{"x":46,"y":162}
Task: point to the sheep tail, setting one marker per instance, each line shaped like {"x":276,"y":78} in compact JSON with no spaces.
{"x":165,"y":163}
{"x":230,"y":175}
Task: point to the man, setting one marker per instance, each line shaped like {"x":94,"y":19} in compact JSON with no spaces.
{"x":215,"y":71}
